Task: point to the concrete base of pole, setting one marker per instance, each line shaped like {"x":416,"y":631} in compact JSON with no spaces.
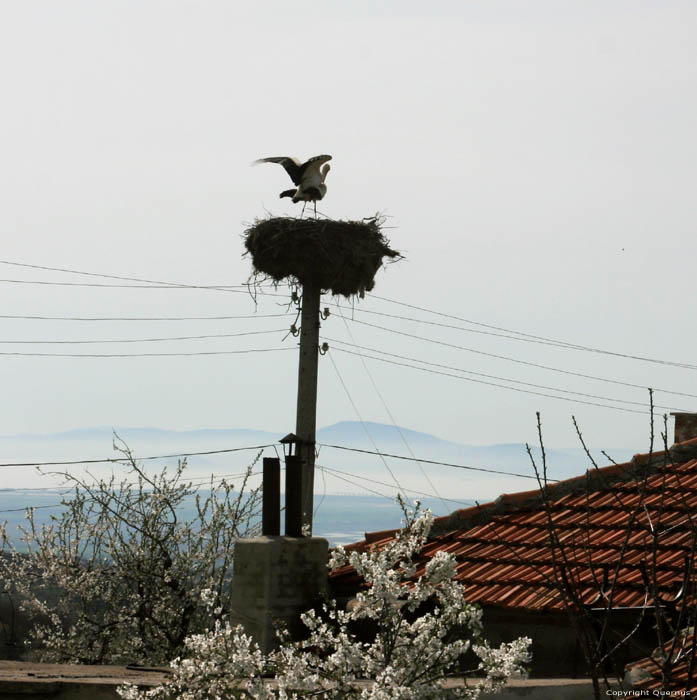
{"x":276,"y":579}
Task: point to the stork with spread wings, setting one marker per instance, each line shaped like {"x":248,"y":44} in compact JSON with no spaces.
{"x":308,"y":177}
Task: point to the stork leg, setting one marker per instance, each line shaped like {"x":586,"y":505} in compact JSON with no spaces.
{"x":303,"y":211}
{"x":315,"y":203}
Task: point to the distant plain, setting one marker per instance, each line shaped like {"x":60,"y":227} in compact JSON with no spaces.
{"x":354,"y":491}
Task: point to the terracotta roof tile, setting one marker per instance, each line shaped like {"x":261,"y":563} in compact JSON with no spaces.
{"x":677,"y":658}
{"x":371,"y":537}
{"x":603,"y":519}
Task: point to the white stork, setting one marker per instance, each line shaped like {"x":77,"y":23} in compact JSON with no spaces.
{"x":308,"y":177}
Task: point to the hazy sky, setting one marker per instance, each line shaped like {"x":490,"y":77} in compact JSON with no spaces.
{"x":536,"y":160}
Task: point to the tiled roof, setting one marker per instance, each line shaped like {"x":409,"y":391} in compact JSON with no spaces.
{"x":603,"y":520}
{"x":678,"y":660}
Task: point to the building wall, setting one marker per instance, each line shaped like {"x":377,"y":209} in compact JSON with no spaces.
{"x":555,"y":649}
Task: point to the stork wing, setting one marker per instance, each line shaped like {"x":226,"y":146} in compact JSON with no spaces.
{"x":292,"y":166}
{"x":314,"y":163}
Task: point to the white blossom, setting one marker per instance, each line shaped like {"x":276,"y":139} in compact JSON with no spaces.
{"x":118,"y":577}
{"x":423,"y":628}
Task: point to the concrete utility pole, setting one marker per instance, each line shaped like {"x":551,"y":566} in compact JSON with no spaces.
{"x":278,"y":577}
{"x":306,"y":416}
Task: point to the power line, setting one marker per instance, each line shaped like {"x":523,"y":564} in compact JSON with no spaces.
{"x":470,"y":321}
{"x":321,"y":500}
{"x":364,"y":426}
{"x":559,"y":343}
{"x":504,"y":379}
{"x":524,"y":337}
{"x":142,"y":340}
{"x":65,"y":488}
{"x":113,"y":277}
{"x":218,"y":480}
{"x":118,"y":460}
{"x":386,"y":407}
{"x":499,"y":386}
{"x":156,"y":284}
{"x":333,"y":472}
{"x":230,"y":288}
{"x":218,"y":318}
{"x":143,"y":354}
{"x":384,"y":483}
{"x":360,"y":486}
{"x":430,"y":461}
{"x":390,"y":330}
{"x":26,"y":508}
{"x":140,"y":318}
{"x":513,"y":359}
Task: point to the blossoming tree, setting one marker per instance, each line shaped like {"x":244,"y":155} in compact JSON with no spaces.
{"x":116,"y":577}
{"x":423,"y":627}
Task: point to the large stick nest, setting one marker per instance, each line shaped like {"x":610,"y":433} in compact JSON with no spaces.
{"x":338,"y":256}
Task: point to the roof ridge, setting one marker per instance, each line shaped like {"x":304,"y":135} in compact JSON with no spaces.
{"x":641,"y":464}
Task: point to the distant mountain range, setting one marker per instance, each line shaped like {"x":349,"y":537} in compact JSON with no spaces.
{"x":343,"y":471}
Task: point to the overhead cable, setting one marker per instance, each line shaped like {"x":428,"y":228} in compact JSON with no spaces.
{"x":559,"y":343}
{"x":499,"y":386}
{"x":141,"y":340}
{"x":140,"y":318}
{"x":510,"y":359}
{"x":144,"y":354}
{"x":113,"y":277}
{"x":430,"y":461}
{"x":118,"y":460}
{"x":504,"y":379}
{"x":149,"y":283}
{"x":363,"y":425}
{"x":65,"y":489}
{"x":386,"y":407}
{"x":435,"y":496}
{"x":231,"y":288}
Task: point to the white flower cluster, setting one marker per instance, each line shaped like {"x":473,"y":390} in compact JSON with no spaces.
{"x":419,"y":630}
{"x":116,"y":578}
